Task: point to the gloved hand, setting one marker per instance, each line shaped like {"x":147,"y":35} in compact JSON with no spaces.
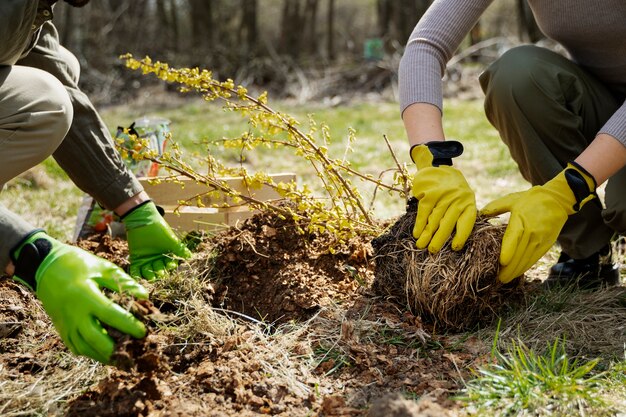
{"x":67,"y":280}
{"x":446,"y":200}
{"x":153,"y":246}
{"x":537,"y":217}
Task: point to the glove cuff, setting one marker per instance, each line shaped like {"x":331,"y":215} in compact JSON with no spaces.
{"x":28,"y":255}
{"x":142,"y":214}
{"x":582,"y":184}
{"x":435,"y":153}
{"x":124,"y":216}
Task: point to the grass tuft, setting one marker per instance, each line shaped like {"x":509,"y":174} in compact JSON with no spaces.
{"x":522,"y":382}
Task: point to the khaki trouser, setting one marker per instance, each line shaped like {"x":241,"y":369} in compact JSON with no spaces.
{"x":43,"y":113}
{"x":547,"y":110}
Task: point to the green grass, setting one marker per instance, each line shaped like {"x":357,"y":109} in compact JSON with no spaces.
{"x":523,"y":382}
{"x":326,"y":352}
{"x":52,"y":207}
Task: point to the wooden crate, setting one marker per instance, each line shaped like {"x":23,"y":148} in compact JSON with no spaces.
{"x":168,"y":195}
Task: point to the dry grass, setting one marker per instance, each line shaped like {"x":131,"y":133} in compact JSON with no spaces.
{"x":278,"y":350}
{"x":592,"y":323}
{"x":63,"y":377}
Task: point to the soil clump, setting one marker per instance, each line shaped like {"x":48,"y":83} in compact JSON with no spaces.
{"x":267,"y":270}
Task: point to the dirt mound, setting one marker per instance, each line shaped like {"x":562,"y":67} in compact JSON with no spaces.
{"x":112,"y":249}
{"x":453,"y":289}
{"x":191,"y":381}
{"x":267,"y":270}
{"x":21,"y":320}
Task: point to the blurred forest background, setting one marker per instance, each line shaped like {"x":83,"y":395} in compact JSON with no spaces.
{"x":294,"y":48}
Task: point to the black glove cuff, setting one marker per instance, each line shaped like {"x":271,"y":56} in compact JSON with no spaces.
{"x":30,"y":258}
{"x":19,"y":244}
{"x":443,"y":151}
{"x":578,"y":184}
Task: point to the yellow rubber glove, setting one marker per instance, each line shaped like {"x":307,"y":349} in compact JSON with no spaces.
{"x":446,"y":201}
{"x":537,"y":217}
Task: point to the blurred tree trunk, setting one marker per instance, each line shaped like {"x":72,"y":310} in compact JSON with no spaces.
{"x":291,"y":28}
{"x":528,"y":28}
{"x":299,"y":28}
{"x":166,"y":29}
{"x":310,"y":20}
{"x":397,"y":19}
{"x":174,"y":24}
{"x":383,"y":14}
{"x":248,"y":28}
{"x":202,"y":24}
{"x":330,"y":31}
{"x":69,"y":33}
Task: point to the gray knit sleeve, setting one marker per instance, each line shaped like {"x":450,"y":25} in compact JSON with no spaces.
{"x":12,"y":229}
{"x":616,"y":125}
{"x":431,"y":45}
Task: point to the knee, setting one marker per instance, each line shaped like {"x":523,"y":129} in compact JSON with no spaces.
{"x":52,"y":114}
{"x":512,"y":78}
{"x":35,"y":115}
{"x":42,"y":109}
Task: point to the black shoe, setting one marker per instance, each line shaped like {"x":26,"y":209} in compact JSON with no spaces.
{"x":594,"y":272}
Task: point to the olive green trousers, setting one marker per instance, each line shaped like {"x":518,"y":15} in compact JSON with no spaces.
{"x":548,"y":110}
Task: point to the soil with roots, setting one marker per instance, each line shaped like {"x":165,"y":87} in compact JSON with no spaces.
{"x":455,"y":290}
{"x":261,"y":321}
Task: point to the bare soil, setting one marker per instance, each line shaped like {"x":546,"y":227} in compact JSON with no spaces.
{"x":356,"y":353}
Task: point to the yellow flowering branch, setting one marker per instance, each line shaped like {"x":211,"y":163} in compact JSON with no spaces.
{"x":347,"y":215}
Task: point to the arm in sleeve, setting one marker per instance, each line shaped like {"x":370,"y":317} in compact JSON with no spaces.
{"x":12,"y":230}
{"x":616,"y":125}
{"x":431,"y":45}
{"x":16,"y":21}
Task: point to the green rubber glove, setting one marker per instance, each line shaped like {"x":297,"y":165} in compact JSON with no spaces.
{"x":537,"y":217}
{"x":446,"y":201}
{"x":68,"y":280}
{"x":153,"y":246}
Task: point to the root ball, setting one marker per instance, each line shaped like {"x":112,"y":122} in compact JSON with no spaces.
{"x":455,"y":290}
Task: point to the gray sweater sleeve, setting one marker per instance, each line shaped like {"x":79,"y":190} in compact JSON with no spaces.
{"x":12,"y":229}
{"x":431,"y":45}
{"x":616,"y":125}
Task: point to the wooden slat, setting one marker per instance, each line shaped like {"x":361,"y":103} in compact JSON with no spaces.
{"x":169,"y":194}
{"x":187,"y":222}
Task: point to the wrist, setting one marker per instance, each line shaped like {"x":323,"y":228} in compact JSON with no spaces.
{"x":142,"y":214}
{"x":579,"y":184}
{"x":132,"y":203}
{"x":28,"y":255}
{"x":435,"y":153}
{"x":10,"y":269}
